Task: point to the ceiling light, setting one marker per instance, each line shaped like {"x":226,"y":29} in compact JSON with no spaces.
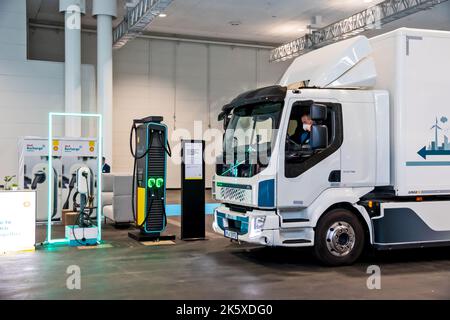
{"x":368,"y":1}
{"x":162,"y":15}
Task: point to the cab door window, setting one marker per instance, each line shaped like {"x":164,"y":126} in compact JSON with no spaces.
{"x":314,"y":132}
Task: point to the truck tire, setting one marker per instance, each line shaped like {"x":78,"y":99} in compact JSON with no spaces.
{"x":339,"y":238}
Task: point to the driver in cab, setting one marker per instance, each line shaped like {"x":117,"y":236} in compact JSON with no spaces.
{"x":306,"y":134}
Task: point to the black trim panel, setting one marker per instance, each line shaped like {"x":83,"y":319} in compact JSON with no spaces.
{"x":335,"y":176}
{"x":412,"y":245}
{"x":400,"y":225}
{"x":295,"y":220}
{"x":294,"y":241}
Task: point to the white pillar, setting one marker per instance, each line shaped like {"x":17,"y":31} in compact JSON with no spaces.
{"x":73,"y":9}
{"x":105,"y":11}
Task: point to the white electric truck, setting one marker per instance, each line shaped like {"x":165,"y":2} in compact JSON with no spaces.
{"x":371,"y":168}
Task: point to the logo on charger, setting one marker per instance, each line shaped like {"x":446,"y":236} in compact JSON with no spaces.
{"x":33,"y":148}
{"x":69,"y":148}
{"x":91,"y":146}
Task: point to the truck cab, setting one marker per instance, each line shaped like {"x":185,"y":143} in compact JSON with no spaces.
{"x":312,"y":161}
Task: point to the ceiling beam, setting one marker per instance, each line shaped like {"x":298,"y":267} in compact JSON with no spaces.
{"x":371,"y":18}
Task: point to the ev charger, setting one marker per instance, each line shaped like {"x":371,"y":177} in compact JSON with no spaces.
{"x":149,"y":178}
{"x":77,"y":153}
{"x":40,"y":183}
{"x":84,"y":177}
{"x":85,"y":233}
{"x":33,"y":174}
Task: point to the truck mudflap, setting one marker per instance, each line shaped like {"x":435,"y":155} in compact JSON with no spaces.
{"x":259,"y":227}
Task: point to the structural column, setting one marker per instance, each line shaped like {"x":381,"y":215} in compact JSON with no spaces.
{"x":73,"y":9}
{"x":105,"y":11}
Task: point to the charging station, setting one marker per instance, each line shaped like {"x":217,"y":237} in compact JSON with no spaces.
{"x":88,"y":185}
{"x":149,"y":178}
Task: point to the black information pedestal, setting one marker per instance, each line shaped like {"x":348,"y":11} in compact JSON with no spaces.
{"x":193,"y":190}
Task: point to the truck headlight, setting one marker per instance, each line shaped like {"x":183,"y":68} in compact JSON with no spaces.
{"x":258,"y":223}
{"x":225,"y":223}
{"x":213,"y":188}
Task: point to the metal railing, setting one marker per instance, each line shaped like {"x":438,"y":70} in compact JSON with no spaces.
{"x":371,"y":18}
{"x":137,"y":20}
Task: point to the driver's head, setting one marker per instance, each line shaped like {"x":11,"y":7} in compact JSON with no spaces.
{"x":307,"y":122}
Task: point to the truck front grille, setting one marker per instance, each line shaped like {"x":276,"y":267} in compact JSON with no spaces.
{"x":239,"y":194}
{"x":233,"y":194}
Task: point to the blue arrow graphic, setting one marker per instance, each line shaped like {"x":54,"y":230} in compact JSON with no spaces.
{"x":424,"y":152}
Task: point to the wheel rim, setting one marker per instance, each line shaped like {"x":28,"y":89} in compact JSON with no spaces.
{"x":340,"y":239}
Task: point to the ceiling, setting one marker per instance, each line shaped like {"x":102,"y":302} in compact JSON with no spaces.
{"x":258,"y":21}
{"x":263,"y":21}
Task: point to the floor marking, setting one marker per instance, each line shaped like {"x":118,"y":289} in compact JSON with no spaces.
{"x":157,"y":243}
{"x":13,"y":253}
{"x":100,"y":246}
{"x":208,"y":234}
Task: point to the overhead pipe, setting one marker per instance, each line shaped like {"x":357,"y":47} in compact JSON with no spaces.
{"x":105,"y":11}
{"x":73,"y":9}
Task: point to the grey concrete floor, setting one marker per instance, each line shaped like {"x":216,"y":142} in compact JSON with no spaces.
{"x":216,"y":269}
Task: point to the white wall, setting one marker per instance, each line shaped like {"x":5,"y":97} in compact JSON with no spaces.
{"x":184,"y":82}
{"x":29,"y":90}
{"x":190,"y":81}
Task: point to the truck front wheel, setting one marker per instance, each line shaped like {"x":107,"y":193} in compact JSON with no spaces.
{"x":339,"y":238}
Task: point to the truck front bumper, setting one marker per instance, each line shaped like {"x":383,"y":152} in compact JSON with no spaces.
{"x":257,"y":227}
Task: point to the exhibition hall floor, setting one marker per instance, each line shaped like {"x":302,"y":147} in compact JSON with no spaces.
{"x":215,"y":269}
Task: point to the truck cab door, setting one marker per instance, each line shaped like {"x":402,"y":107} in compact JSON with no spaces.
{"x":306,"y":169}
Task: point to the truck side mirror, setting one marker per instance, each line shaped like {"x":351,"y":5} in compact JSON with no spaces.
{"x":225,"y":117}
{"x":221,"y":116}
{"x":319,"y":137}
{"x":226,"y":121}
{"x":318,"y":112}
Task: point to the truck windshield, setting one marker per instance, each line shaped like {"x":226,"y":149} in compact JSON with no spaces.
{"x":249,"y":139}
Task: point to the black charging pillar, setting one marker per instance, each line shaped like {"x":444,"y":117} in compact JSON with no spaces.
{"x":193,"y":190}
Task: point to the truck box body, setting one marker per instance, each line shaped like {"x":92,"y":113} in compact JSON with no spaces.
{"x":413,"y":66}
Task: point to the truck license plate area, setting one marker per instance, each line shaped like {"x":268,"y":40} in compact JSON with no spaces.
{"x":231,"y":234}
